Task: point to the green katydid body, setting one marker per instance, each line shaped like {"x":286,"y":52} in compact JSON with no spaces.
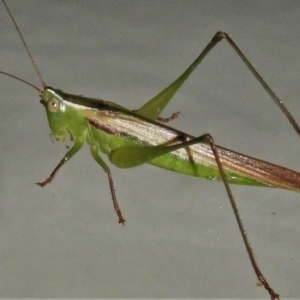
{"x":106,"y":127}
{"x":132,"y":138}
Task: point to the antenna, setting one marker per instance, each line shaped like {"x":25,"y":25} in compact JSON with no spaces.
{"x":28,"y":52}
{"x":22,"y":80}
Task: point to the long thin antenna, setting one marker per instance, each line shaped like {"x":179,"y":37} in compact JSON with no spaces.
{"x":26,"y":47}
{"x":22,"y":80}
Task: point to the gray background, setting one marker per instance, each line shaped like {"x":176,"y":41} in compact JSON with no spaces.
{"x":180,"y":238}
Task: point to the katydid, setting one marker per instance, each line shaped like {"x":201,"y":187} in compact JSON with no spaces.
{"x":132,"y":138}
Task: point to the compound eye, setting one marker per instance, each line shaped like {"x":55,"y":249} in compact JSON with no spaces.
{"x":52,"y":105}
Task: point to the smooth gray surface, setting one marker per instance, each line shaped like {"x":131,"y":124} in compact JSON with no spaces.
{"x":180,"y":238}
